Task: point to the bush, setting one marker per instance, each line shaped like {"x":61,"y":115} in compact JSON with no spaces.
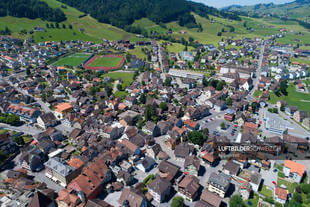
{"x":269,"y":200}
{"x":149,"y":179}
{"x":11,"y":119}
{"x":281,"y":174}
{"x":305,"y":188}
{"x":236,"y":201}
{"x":297,"y":197}
{"x":177,"y":202}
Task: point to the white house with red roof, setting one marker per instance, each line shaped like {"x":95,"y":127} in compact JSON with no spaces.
{"x":293,"y":170}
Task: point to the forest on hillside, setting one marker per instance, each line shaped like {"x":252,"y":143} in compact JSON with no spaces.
{"x":122,"y":13}
{"x":31,"y":9}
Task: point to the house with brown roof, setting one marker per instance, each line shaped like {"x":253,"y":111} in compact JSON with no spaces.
{"x":212,"y":199}
{"x":167,"y":170}
{"x":131,"y":198}
{"x":125,"y":177}
{"x":192,"y":165}
{"x":133,"y":149}
{"x":231,"y":168}
{"x":91,"y":179}
{"x":159,"y":188}
{"x":188,"y":187}
{"x":40,"y":200}
{"x":47,"y":120}
{"x":183,"y":150}
{"x":294,"y":170}
{"x":68,"y":198}
{"x":151,"y":129}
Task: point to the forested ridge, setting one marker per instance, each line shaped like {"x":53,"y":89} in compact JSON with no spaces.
{"x":122,"y":13}
{"x":31,"y":9}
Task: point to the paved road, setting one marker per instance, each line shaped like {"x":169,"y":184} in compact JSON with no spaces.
{"x":259,"y":69}
{"x":24,"y":128}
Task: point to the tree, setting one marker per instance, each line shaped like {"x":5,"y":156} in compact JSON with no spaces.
{"x":70,"y":26}
{"x":119,"y":87}
{"x":142,"y":98}
{"x":219,"y":34}
{"x":163,"y":106}
{"x":13,"y":119}
{"x":254,"y":106}
{"x":168,"y":81}
{"x":229,"y":101}
{"x":236,"y":201}
{"x":19,"y":140}
{"x":177,"y":202}
{"x":283,"y":87}
{"x":205,"y":82}
{"x":57,"y":25}
{"x":28,"y":72}
{"x":219,"y":86}
{"x":305,"y":188}
{"x":275,"y":110}
{"x":109,"y":90}
{"x":63,"y":26}
{"x":223,"y":126}
{"x":205,"y":132}
{"x":47,"y":25}
{"x":7,"y":31}
{"x":190,"y":39}
{"x":196,"y":137}
{"x":297,"y":197}
{"x":150,"y":113}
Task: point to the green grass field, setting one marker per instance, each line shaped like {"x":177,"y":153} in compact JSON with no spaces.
{"x":301,"y":60}
{"x":72,"y":60}
{"x":86,"y":28}
{"x":106,"y":62}
{"x":139,"y":53}
{"x":266,"y":192}
{"x":127,"y":77}
{"x":301,"y":100}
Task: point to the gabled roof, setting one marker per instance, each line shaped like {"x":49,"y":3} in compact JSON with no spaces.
{"x":159,"y":185}
{"x":281,"y":193}
{"x":295,"y":167}
{"x":39,"y":200}
{"x":211,"y":198}
{"x":134,"y":199}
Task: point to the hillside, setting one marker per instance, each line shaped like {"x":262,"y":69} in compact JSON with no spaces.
{"x":211,"y":30}
{"x":122,"y":13}
{"x":298,"y":9}
{"x":31,"y":9}
{"x":84,"y":27}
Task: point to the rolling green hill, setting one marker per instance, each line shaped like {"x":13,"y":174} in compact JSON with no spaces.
{"x":85,"y":28}
{"x":298,"y":9}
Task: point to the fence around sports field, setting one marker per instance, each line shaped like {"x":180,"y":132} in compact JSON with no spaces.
{"x":91,"y":60}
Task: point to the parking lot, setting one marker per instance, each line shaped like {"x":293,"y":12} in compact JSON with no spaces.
{"x":213,"y":123}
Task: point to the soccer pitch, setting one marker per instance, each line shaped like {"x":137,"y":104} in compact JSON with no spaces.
{"x":73,"y":60}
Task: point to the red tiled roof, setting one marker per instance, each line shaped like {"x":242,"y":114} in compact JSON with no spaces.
{"x":295,"y":167}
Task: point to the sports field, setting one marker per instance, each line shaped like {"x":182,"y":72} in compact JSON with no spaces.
{"x":106,"y":62}
{"x":73,"y":60}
